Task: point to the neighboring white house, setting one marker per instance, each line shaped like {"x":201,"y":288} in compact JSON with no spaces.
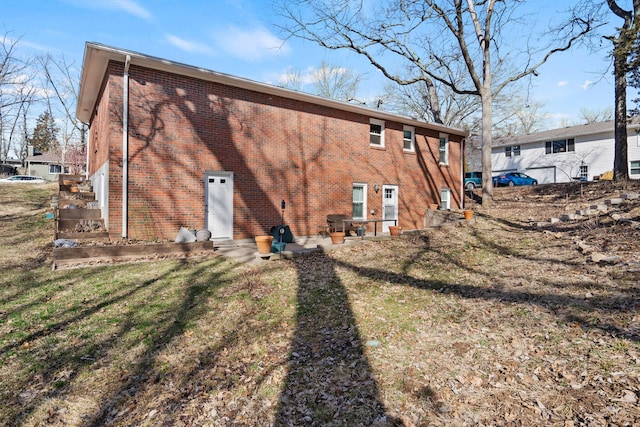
{"x":561,"y":155}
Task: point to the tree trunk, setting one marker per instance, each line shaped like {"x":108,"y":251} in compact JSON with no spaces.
{"x":487,"y":142}
{"x":620,"y":163}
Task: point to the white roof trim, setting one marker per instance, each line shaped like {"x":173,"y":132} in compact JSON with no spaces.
{"x":563,"y":133}
{"x":97,"y":57}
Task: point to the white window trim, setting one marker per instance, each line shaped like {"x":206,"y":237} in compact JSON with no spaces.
{"x":364,"y":197}
{"x":446,"y":148}
{"x":56,"y":173}
{"x":381,"y":124}
{"x":445,"y":203}
{"x":412,"y":146}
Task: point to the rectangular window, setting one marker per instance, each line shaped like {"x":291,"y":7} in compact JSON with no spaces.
{"x":635,"y":168}
{"x":55,"y":169}
{"x":515,"y":150}
{"x":408,"y":138}
{"x":444,"y":149}
{"x":560,"y":146}
{"x":445,"y":195}
{"x":376,"y":132}
{"x":507,"y":151}
{"x":359,"y":200}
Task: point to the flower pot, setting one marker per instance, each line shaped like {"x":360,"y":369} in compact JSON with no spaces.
{"x":203,"y":235}
{"x":468,"y":215}
{"x":264,"y":244}
{"x":433,"y":206}
{"x":337,"y":237}
{"x":395,"y":230}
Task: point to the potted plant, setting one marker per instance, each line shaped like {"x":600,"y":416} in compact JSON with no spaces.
{"x":395,"y":230}
{"x":264,"y":244}
{"x":337,"y":237}
{"x":468,"y":214}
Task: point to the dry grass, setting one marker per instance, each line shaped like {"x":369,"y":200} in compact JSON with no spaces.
{"x":488,"y":323}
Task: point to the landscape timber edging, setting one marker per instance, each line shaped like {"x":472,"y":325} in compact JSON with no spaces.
{"x":119,"y":252}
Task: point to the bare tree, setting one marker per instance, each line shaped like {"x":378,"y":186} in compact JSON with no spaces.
{"x":336,"y":82}
{"x":415,"y":100}
{"x":11,"y":121}
{"x":439,"y":40}
{"x":16,"y":92}
{"x":62,"y":82}
{"x":590,"y":115}
{"x":328,"y":81}
{"x":623,"y":45}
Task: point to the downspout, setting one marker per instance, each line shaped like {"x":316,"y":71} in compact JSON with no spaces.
{"x":125,"y":147}
{"x":462,"y":144}
{"x":86,"y":147}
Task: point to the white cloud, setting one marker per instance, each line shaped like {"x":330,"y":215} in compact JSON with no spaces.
{"x":26,"y":44}
{"x":250,"y":45}
{"x":563,"y":83}
{"x":188,"y":46}
{"x":129,"y":6}
{"x":587,"y":84}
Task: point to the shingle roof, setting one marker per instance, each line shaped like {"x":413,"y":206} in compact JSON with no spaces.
{"x":563,"y":133}
{"x":97,"y":56}
{"x":44,"y":158}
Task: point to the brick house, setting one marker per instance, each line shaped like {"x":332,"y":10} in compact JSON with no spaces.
{"x":207,"y":150}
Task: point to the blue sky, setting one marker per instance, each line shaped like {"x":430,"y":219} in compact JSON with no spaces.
{"x":240,"y":37}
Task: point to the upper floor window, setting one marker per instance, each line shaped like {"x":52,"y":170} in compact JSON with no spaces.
{"x":560,"y":146}
{"x":444,"y":149}
{"x":376,"y":132}
{"x":512,"y":151}
{"x":408,"y":138}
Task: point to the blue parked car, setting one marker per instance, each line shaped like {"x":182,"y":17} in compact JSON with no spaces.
{"x":513,"y":178}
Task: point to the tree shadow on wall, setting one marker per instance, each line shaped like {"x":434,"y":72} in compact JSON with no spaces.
{"x":329,"y":380}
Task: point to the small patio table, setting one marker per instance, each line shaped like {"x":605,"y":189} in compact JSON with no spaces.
{"x":363,"y":221}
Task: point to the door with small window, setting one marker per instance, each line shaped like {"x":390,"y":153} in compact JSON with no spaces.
{"x":389,"y":205}
{"x":219,"y":204}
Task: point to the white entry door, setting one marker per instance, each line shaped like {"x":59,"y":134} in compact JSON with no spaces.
{"x":389,"y":205}
{"x":219,"y":204}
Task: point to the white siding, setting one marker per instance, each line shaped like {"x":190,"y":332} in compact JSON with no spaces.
{"x":634,"y":149}
{"x":594,"y":151}
{"x":546,"y":175}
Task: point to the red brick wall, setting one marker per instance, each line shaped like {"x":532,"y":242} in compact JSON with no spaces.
{"x":277,"y":148}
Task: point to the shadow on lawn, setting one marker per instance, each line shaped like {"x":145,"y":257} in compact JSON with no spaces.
{"x":329,"y":380}
{"x":570,"y":309}
{"x":62,"y":362}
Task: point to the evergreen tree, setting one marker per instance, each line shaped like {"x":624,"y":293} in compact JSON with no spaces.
{"x":45,"y":134}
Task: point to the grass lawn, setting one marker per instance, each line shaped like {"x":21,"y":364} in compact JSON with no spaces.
{"x":488,"y":323}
